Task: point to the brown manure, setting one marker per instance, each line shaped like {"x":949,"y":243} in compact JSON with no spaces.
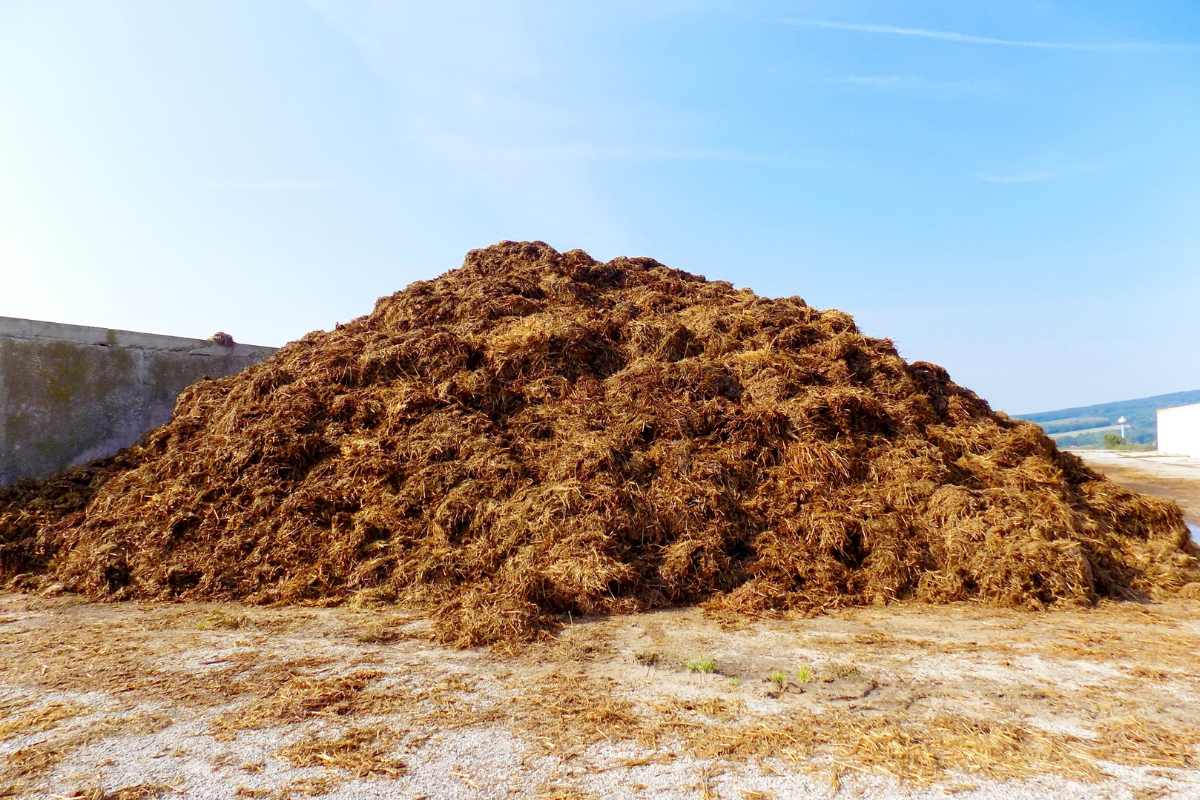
{"x":539,"y":434}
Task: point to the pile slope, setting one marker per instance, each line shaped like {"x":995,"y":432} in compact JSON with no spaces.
{"x":538,"y":433}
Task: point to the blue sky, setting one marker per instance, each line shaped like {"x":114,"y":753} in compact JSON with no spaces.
{"x":1009,"y":189}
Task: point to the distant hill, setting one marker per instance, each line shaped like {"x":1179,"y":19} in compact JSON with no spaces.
{"x":1087,"y":425}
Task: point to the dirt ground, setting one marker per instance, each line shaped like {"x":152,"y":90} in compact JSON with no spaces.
{"x":129,"y":701}
{"x":224,"y":701}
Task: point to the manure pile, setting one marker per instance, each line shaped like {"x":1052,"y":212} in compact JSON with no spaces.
{"x":539,"y":433}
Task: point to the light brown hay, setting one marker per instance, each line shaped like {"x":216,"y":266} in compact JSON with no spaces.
{"x":141,"y":791}
{"x":538,"y":434}
{"x":299,"y":699}
{"x":362,"y":752}
{"x":21,"y":770}
{"x":36,"y":720}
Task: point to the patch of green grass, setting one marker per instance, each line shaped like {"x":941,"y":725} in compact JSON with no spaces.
{"x":705,"y":665}
{"x":804,"y":674}
{"x":735,"y":681}
{"x":778,"y":677}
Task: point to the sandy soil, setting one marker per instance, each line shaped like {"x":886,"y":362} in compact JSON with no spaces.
{"x":223,"y":701}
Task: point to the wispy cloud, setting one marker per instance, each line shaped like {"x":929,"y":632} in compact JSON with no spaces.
{"x":882,"y":81}
{"x":909,"y":83}
{"x":1041,"y":175}
{"x":488,"y":106}
{"x":1027,"y":177}
{"x":672,"y":154}
{"x":963,"y":38}
{"x":267,"y":185}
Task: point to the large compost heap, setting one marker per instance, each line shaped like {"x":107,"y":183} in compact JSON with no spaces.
{"x":539,"y":433}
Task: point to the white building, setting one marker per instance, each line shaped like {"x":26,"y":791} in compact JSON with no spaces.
{"x":1179,"y":430}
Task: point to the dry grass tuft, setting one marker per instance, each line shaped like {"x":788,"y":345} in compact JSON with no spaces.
{"x":141,"y":791}
{"x":573,"y":710}
{"x":362,"y":752}
{"x":21,"y":770}
{"x":841,"y":672}
{"x":1143,"y":743}
{"x":537,"y":436}
{"x":559,"y":792}
{"x":299,"y":699}
{"x":308,"y":787}
{"x":36,"y":720}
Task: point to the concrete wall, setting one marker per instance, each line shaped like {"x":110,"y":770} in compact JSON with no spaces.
{"x":1179,"y":430}
{"x":70,"y":394}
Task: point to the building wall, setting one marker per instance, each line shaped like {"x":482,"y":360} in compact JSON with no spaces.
{"x":70,"y":394}
{"x":1179,"y":430}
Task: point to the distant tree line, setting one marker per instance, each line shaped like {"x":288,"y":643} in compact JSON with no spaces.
{"x":1141,"y":419}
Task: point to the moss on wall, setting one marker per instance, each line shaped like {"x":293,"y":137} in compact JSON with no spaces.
{"x":65,"y":403}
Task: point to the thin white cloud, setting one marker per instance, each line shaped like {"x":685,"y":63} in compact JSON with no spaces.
{"x":676,"y":154}
{"x":267,"y":185}
{"x":963,"y":38}
{"x":486,"y":106}
{"x":1028,"y":177}
{"x":909,"y":83}
{"x":882,"y":81}
{"x":1043,"y":175}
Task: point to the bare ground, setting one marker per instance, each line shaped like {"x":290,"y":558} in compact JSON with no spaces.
{"x":224,"y":701}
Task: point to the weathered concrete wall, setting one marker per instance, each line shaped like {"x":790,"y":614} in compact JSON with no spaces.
{"x":70,"y":394}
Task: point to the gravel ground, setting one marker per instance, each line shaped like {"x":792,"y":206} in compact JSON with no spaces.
{"x":1162,"y":465}
{"x":125,"y":701}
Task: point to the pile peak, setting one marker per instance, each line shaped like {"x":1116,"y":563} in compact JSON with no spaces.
{"x":538,"y":433}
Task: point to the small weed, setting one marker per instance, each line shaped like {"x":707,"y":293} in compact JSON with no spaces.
{"x":843,"y":672}
{"x":704,"y":665}
{"x":735,"y":681}
{"x":804,"y":674}
{"x":779,"y":678}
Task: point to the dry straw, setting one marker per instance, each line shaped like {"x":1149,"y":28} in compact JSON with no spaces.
{"x":538,"y":434}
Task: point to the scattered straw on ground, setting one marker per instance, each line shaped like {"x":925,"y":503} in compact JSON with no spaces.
{"x":946,"y":695}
